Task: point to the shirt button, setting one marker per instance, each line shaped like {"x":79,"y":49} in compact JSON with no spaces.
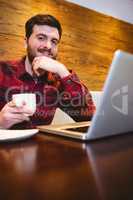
{"x":69,"y":81}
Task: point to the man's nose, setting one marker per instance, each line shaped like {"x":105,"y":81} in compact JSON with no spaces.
{"x":47,"y":44}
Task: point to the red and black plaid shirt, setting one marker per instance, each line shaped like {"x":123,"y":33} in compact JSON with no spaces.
{"x":67,"y":93}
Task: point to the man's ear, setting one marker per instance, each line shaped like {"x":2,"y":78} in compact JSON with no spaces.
{"x":25,"y":42}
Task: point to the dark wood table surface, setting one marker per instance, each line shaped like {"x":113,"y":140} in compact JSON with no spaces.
{"x":52,"y":167}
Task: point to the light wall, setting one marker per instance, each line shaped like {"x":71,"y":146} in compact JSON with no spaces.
{"x":120,"y":9}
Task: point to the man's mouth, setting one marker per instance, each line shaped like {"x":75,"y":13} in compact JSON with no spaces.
{"x":45,"y":53}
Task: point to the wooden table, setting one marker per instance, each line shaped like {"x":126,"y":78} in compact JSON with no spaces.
{"x":52,"y":167}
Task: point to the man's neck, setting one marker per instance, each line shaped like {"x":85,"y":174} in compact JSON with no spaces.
{"x":28,"y":66}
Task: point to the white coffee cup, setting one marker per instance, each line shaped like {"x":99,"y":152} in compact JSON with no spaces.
{"x":29,"y":99}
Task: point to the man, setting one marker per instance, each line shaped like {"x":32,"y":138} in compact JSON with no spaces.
{"x":39,"y":72}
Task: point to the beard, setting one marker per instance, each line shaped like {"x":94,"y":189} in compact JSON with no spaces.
{"x":41,"y":52}
{"x":31,"y":54}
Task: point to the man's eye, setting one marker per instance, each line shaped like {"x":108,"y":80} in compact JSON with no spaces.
{"x":55,"y":42}
{"x":40,"y":38}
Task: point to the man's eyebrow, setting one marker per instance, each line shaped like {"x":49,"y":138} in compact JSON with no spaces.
{"x":44,"y":35}
{"x":41,"y":34}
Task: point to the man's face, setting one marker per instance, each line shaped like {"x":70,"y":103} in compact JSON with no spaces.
{"x":43,"y":42}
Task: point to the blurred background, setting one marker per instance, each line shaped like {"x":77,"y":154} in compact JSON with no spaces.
{"x":92,"y":31}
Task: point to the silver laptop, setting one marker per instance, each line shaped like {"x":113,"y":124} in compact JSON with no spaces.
{"x":114,"y":115}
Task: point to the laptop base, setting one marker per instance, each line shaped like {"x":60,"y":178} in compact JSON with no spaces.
{"x":66,"y":130}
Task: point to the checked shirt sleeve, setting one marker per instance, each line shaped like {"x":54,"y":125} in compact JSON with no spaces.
{"x":75,"y":99}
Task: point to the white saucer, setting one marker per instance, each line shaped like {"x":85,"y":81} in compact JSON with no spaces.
{"x":13,"y":135}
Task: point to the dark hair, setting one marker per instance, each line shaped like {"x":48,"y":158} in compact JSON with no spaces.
{"x":42,"y":19}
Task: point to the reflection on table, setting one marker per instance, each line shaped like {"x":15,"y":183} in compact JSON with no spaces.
{"x":53,"y":167}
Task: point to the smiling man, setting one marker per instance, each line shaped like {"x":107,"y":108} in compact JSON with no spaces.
{"x":39,"y":72}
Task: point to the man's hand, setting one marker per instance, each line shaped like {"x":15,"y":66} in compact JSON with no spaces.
{"x":11,"y":114}
{"x":50,"y":65}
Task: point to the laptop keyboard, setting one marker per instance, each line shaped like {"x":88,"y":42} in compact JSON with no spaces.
{"x":82,"y":129}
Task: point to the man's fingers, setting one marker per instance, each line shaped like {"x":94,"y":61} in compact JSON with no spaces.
{"x":18,"y":117}
{"x":11,"y":104}
{"x":11,"y":107}
{"x":35,"y":69}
